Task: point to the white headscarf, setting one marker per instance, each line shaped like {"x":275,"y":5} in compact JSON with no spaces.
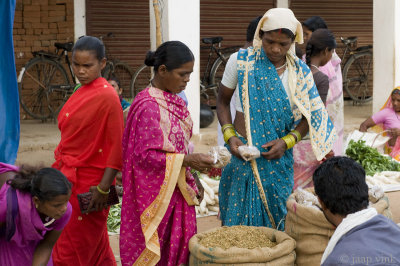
{"x":279,"y":18}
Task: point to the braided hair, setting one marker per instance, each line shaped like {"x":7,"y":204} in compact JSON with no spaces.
{"x":45,"y":183}
{"x":319,"y":41}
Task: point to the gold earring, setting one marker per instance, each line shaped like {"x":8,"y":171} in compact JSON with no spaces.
{"x":37,"y":206}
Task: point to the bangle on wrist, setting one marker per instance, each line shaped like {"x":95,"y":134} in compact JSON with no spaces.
{"x":289,"y":140}
{"x":296,"y":134}
{"x":225,"y":127}
{"x":229,"y":133}
{"x":102,"y":191}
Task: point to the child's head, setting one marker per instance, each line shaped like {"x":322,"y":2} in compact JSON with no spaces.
{"x":88,"y":59}
{"x":114,"y":81}
{"x":49,"y":188}
{"x":322,"y":43}
{"x":311,"y":25}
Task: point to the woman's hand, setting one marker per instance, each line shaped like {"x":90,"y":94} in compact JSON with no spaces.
{"x":99,"y":200}
{"x":394,"y":132}
{"x":276,"y":151}
{"x":234,"y":144}
{"x":199,"y":161}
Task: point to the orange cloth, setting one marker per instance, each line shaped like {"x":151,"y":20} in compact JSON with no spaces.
{"x":91,"y":125}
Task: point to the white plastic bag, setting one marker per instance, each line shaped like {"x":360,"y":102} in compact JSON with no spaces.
{"x":249,"y":152}
{"x":221,"y":156}
{"x":371,"y":139}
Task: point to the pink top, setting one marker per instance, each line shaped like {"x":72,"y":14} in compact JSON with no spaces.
{"x":30,"y":229}
{"x":388,"y":118}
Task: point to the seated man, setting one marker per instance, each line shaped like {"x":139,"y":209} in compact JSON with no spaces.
{"x":362,"y":237}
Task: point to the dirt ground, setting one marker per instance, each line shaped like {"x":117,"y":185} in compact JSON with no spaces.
{"x":38,"y":141}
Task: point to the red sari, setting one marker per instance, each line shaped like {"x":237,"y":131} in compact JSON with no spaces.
{"x":91,"y":125}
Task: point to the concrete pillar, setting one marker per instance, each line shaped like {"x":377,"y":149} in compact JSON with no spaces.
{"x":282,"y":3}
{"x":180,"y":21}
{"x":79,"y":19}
{"x":386,"y":29}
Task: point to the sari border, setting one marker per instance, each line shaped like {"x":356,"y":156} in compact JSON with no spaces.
{"x":253,"y":163}
{"x":154,"y":213}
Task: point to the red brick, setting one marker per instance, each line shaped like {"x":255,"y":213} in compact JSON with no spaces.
{"x":21,"y":31}
{"x":17,"y":25}
{"x":20,"y":43}
{"x":53,"y":25}
{"x":28,"y":31}
{"x":40,"y":25}
{"x":56,"y":19}
{"x":56,"y":7}
{"x":53,"y":31}
{"x":27,"y":2}
{"x":17,"y":37}
{"x":37,"y":43}
{"x":27,"y":25}
{"x":47,"y":37}
{"x":65,"y":30}
{"x":45,"y":43}
{"x":19,"y":6}
{"x":31,"y":19}
{"x":25,"y":49}
{"x":31,"y":8}
{"x":64,"y":24}
{"x":56,"y":13}
{"x":65,"y":37}
{"x":37,"y":31}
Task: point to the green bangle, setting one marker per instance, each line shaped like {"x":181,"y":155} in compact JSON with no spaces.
{"x":102,"y":191}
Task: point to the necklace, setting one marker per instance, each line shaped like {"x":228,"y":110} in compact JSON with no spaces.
{"x":315,"y":66}
{"x":282,"y":66}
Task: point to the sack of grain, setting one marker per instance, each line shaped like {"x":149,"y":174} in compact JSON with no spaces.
{"x":242,"y":245}
{"x":309,"y":227}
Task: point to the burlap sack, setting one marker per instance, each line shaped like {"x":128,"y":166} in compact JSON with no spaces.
{"x":280,"y":255}
{"x":309,"y":227}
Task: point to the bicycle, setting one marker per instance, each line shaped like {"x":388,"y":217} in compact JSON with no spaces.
{"x":45,"y":85}
{"x":357,"y":70}
{"x":210,"y":78}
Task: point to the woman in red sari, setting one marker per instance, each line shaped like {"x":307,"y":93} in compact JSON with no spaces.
{"x":89,"y":154}
{"x":158,"y":217}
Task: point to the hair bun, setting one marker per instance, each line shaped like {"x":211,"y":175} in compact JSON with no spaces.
{"x":150,"y":58}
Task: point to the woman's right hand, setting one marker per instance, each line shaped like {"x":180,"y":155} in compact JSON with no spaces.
{"x":199,"y":161}
{"x":234,"y":143}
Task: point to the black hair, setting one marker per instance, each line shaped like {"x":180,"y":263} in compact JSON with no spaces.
{"x":314,"y":23}
{"x":172,"y":54}
{"x":340,"y":184}
{"x":45,"y":183}
{"x":90,"y":43}
{"x":251,"y":28}
{"x":288,"y":32}
{"x":319,"y":41}
{"x":113,"y":77}
{"x":396,"y":91}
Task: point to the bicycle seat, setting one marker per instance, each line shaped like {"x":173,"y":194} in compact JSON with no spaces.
{"x":212,"y":40}
{"x":348,"y":40}
{"x":65,"y":45}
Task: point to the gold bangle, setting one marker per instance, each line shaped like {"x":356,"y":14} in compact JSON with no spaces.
{"x":102,"y":191}
{"x":229,"y":133}
{"x":226,"y":126}
{"x":289,"y":140}
{"x":298,"y":135}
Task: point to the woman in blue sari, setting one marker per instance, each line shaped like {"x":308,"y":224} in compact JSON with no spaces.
{"x":277,"y":104}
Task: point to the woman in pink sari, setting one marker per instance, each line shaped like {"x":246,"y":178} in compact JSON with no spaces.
{"x":158,"y":217}
{"x":388,"y":118}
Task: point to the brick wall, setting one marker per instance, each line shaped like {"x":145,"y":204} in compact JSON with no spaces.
{"x":38,"y":24}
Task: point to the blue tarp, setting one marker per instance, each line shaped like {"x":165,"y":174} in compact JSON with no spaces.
{"x":9,"y":102}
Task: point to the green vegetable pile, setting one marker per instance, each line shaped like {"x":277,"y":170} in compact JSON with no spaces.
{"x":372,"y":161}
{"x":114,"y":218}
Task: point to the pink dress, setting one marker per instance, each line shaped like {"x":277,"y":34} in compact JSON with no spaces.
{"x":156,"y":220}
{"x":29,"y":229}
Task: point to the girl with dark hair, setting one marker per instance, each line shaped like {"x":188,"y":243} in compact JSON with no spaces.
{"x":90,"y":155}
{"x":34,"y":209}
{"x":319,"y":50}
{"x":277,"y":104}
{"x":158,"y":217}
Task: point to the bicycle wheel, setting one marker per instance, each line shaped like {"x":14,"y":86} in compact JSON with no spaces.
{"x":216,"y":73}
{"x":123,"y":72}
{"x":141,"y":80}
{"x":357,"y":77}
{"x":42,"y":88}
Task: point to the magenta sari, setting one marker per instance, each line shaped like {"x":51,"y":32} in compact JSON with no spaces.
{"x":156,"y":220}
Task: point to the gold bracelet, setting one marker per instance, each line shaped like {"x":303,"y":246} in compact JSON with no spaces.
{"x":229,"y":133}
{"x":102,"y":191}
{"x":297,"y":133}
{"x":226,"y":126}
{"x":289,"y":140}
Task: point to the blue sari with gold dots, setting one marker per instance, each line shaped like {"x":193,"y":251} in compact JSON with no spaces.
{"x":270,"y":117}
